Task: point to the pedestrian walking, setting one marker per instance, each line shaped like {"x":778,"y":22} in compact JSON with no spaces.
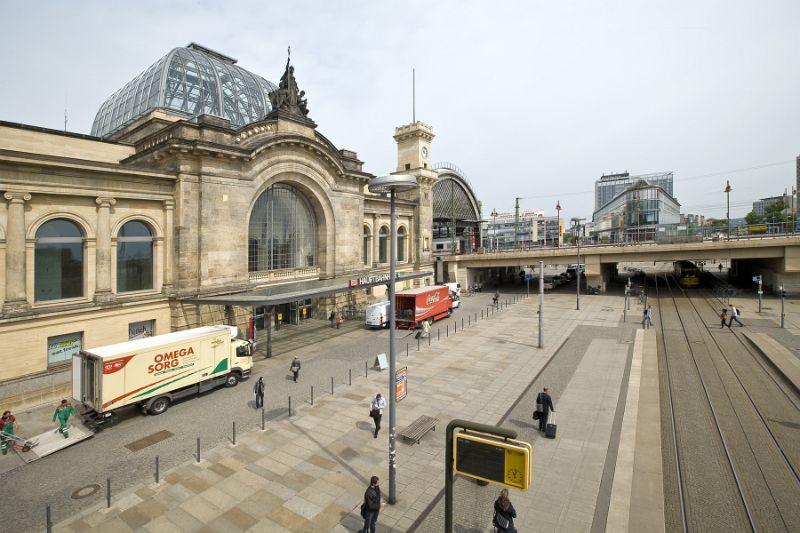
{"x":647,"y":320}
{"x":332,"y":318}
{"x":495,"y":298}
{"x":258,"y":390}
{"x":504,"y":514}
{"x":376,"y":408}
{"x":6,"y":428}
{"x":723,"y":317}
{"x":720,"y":268}
{"x":62,"y":413}
{"x":544,"y":404}
{"x":295,"y":369}
{"x":339,"y":319}
{"x":371,"y":506}
{"x":734,"y":313}
{"x":426,"y":328}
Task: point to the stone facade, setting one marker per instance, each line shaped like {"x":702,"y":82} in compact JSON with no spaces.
{"x":194,"y":184}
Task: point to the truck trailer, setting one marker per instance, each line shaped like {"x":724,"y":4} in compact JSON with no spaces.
{"x":415,"y":306}
{"x":153,"y":372}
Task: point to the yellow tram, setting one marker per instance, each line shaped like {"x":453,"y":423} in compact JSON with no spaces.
{"x":687,"y":274}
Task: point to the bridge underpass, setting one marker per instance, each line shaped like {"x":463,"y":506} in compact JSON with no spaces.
{"x":775,"y":259}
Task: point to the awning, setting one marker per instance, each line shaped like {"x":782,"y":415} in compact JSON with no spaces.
{"x":292,"y":292}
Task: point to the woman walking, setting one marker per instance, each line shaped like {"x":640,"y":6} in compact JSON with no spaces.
{"x":504,"y":514}
{"x":295,"y":368}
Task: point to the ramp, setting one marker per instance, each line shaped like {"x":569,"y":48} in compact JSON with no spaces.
{"x":52,"y":441}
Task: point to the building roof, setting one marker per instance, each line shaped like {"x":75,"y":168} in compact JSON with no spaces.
{"x":453,"y":196}
{"x":188,"y":82}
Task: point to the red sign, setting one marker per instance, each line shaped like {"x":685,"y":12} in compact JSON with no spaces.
{"x":109,"y":367}
{"x":401,"y":383}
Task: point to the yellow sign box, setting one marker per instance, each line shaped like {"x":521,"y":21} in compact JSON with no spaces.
{"x":493,"y":459}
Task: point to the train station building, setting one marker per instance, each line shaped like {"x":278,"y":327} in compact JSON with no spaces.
{"x":205,"y":194}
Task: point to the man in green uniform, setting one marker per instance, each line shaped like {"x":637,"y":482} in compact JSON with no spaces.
{"x":6,"y":428}
{"x":63,"y":413}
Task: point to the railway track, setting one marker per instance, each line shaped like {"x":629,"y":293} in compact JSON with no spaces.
{"x":730,"y":453}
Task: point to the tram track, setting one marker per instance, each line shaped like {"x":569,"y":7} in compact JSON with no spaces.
{"x":730,"y":471}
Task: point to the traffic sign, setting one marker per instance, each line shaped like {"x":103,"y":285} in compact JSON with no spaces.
{"x":756,"y":278}
{"x":496,"y":460}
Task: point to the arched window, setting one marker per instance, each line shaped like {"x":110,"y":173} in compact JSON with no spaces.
{"x":401,"y":243}
{"x":134,"y":257}
{"x":383,"y":241}
{"x":365,"y":245}
{"x":58,"y":261}
{"x":282,"y":231}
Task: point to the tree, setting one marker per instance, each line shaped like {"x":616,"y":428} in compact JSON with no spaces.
{"x":753,"y":218}
{"x":775,"y":211}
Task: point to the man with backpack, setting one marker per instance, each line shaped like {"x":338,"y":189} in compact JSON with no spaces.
{"x":734,"y":313}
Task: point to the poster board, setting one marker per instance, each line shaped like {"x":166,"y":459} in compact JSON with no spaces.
{"x":380,"y":361}
{"x":401,"y":383}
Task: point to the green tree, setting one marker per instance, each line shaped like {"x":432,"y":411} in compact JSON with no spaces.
{"x":775,"y":211}
{"x":720,"y":223}
{"x":753,"y":218}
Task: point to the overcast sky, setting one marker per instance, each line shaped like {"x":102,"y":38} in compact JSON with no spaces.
{"x":532,"y":99}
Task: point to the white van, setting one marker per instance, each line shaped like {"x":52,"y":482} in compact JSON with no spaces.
{"x":454,"y":288}
{"x":377,"y":315}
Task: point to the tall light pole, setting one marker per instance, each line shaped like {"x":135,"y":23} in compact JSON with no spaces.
{"x":392,"y":184}
{"x":558,"y":225}
{"x":577,"y":221}
{"x":494,"y":216}
{"x":728,"y":213}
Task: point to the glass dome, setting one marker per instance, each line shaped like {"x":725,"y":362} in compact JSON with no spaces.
{"x":189,"y":82}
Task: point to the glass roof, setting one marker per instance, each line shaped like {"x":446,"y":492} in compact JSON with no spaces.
{"x":188,"y":81}
{"x":453,"y":198}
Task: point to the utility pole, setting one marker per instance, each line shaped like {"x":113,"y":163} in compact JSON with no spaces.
{"x":516,"y":221}
{"x":452,"y":218}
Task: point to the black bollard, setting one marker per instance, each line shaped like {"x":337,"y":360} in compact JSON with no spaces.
{"x":234,"y":433}
{"x":48,"y":519}
{"x":429,"y":338}
{"x":365,"y":369}
{"x":462,"y":322}
{"x":108,"y":492}
{"x":290,"y":406}
{"x":417,"y":343}
{"x":157,"y":472}
{"x":438,"y":334}
{"x":406,"y":349}
{"x":198,"y":449}
{"x":331,"y":386}
{"x":469,"y":320}
{"x":263,"y":420}
{"x":312,"y":394}
{"x":447,"y":330}
{"x":455,"y":327}
{"x":349,"y":376}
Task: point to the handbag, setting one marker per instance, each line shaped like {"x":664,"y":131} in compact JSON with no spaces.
{"x":537,"y":415}
{"x":363,"y":510}
{"x":373,"y":413}
{"x":501,"y":521}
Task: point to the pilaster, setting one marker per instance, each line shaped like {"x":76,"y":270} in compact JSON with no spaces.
{"x":16,"y":267}
{"x":102,"y":291}
{"x":169,"y":247}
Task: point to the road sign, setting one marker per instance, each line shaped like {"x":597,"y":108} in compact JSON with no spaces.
{"x":756,"y":278}
{"x":496,"y":460}
{"x":401,"y":383}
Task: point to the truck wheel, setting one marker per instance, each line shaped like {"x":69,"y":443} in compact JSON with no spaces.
{"x":231,"y":380}
{"x":159,"y":406}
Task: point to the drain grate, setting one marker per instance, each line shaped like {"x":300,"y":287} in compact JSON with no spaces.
{"x":149,"y":440}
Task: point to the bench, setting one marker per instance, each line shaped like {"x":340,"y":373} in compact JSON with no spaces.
{"x":419,"y":427}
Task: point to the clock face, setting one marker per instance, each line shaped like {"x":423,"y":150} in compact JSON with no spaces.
{"x":424,"y":151}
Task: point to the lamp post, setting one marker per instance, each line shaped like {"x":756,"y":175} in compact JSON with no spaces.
{"x":783,"y":295}
{"x":577,"y":221}
{"x":392,"y":184}
{"x":558,"y":224}
{"x":728,"y":213}
{"x":494,"y":216}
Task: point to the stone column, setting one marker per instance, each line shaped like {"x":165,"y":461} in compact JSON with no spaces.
{"x":375,"y":239}
{"x":169,"y":247}
{"x":103,"y":252}
{"x":16,"y":267}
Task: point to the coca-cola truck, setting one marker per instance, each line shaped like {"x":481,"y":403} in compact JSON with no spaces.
{"x":415,"y":306}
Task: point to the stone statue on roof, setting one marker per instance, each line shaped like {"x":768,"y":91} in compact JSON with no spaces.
{"x":287,"y":97}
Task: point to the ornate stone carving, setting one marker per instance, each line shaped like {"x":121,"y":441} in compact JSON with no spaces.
{"x":287,"y":97}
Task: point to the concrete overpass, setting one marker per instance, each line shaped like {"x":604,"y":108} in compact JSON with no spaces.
{"x":776,"y":259}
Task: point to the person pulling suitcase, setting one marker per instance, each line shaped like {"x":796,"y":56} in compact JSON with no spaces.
{"x":544,"y":404}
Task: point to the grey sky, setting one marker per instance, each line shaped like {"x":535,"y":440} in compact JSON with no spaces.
{"x":533,"y":99}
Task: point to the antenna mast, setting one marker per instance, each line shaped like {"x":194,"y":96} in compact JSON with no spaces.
{"x":413,"y":96}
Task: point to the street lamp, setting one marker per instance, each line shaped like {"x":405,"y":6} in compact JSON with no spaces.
{"x":392,"y":184}
{"x":558,"y":226}
{"x":577,"y":222}
{"x":783,"y":295}
{"x":728,"y":214}
{"x":494,"y":215}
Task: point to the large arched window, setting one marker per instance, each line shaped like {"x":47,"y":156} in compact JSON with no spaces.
{"x":365,"y":245}
{"x":58,"y":261}
{"x":401,"y":243}
{"x":282,"y":232}
{"x":383,"y":240}
{"x":134,"y":257}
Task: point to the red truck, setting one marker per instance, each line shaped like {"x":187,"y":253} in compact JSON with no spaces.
{"x":415,"y":306}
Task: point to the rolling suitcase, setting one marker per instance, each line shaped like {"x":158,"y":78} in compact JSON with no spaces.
{"x":550,"y":428}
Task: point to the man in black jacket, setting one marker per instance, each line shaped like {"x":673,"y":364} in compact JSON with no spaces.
{"x":544,"y":404}
{"x":372,"y":505}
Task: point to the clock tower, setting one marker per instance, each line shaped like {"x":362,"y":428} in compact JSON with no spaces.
{"x":413,"y":146}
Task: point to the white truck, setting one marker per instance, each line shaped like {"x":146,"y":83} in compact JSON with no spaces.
{"x":377,"y":315}
{"x":155,"y":371}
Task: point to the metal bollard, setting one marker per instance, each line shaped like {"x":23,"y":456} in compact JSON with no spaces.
{"x":429,"y":338}
{"x":48,"y":519}
{"x":462,"y":322}
{"x":157,"y":472}
{"x":481,"y":313}
{"x":234,"y":433}
{"x":312,"y":394}
{"x":198,"y":449}
{"x":108,"y":492}
{"x":469,"y":320}
{"x":349,"y":377}
{"x":438,"y":334}
{"x":290,"y":406}
{"x":455,"y":327}
{"x":331,"y":385}
{"x":406,"y":349}
{"x":417,"y":343}
{"x":447,"y":331}
{"x":365,"y":369}
{"x":263,"y":420}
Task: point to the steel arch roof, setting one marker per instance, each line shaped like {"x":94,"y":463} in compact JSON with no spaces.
{"x":188,"y":81}
{"x":453,"y":195}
